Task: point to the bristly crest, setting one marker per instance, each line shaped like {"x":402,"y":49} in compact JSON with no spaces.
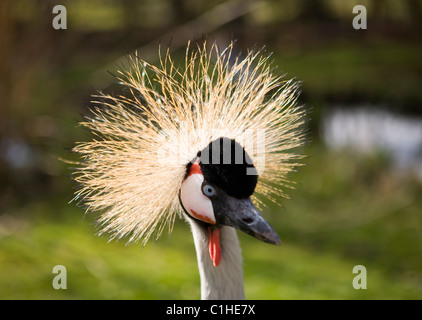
{"x":133,"y":169}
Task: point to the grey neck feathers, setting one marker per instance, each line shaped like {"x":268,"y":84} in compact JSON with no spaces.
{"x":225,"y":281}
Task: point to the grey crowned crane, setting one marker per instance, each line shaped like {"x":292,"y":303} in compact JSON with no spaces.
{"x":203,"y":142}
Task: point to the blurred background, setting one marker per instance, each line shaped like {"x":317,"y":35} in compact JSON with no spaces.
{"x":357,"y":200}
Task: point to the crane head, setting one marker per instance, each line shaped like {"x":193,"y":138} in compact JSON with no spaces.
{"x":143,"y":160}
{"x":217,"y":192}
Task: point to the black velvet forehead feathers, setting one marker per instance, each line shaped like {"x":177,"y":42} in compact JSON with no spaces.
{"x":225,"y":163}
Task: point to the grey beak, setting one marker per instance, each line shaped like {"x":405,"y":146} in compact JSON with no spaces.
{"x":243,"y":215}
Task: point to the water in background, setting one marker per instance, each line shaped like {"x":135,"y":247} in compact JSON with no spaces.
{"x":367,"y":130}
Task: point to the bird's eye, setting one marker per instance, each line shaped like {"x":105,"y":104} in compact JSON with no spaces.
{"x":208,"y":190}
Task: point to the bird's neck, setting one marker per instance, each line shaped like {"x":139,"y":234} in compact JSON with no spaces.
{"x":226,"y":280}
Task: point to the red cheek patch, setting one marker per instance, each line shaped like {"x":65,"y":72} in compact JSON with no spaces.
{"x":194,"y":201}
{"x":194,"y":168}
{"x":202,"y":217}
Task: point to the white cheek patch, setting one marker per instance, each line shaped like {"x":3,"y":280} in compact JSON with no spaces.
{"x":194,"y":201}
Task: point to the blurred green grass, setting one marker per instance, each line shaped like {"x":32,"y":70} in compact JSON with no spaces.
{"x":341,"y":214}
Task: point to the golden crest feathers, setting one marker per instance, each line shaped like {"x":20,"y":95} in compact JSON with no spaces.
{"x":133,"y":169}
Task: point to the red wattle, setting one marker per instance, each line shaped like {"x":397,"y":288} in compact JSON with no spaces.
{"x":214,"y":245}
